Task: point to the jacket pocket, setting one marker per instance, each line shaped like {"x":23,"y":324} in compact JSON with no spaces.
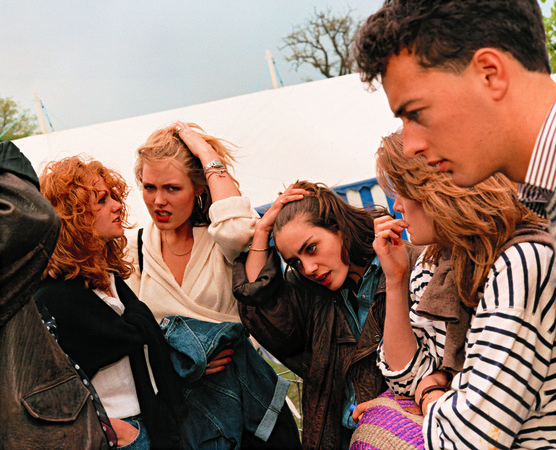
{"x":61,"y":401}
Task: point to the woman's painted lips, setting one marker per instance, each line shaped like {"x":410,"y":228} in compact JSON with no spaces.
{"x":324,"y":279}
{"x":162,"y":216}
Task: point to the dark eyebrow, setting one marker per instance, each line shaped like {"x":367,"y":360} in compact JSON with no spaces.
{"x":401,"y":111}
{"x":303,"y":245}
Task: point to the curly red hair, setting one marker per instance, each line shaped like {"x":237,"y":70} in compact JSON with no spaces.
{"x":68,"y":184}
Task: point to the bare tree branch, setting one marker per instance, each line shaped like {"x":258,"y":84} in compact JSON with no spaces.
{"x":323,"y":42}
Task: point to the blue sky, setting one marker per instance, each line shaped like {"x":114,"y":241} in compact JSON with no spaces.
{"x":103,"y":60}
{"x":97,"y":61}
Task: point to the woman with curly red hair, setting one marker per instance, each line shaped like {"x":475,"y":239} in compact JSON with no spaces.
{"x":102,"y":326}
{"x":82,"y":250}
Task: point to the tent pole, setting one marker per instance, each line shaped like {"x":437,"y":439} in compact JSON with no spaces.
{"x":270,"y":61}
{"x":40,"y":115}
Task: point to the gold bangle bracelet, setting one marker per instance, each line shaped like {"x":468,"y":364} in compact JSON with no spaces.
{"x":259,"y":249}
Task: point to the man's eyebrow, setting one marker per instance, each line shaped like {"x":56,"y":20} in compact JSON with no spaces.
{"x":401,"y":111}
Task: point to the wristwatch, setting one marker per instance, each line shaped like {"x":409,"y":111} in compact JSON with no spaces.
{"x":214,"y":164}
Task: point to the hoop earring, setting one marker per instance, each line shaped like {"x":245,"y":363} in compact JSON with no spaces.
{"x":200,"y":202}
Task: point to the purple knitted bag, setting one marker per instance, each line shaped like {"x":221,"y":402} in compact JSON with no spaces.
{"x":390,"y":423}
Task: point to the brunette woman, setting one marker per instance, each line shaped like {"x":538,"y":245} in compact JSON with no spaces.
{"x":323,"y":317}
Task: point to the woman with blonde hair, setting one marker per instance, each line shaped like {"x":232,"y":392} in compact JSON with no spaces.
{"x":101,"y":324}
{"x":183,"y":261}
{"x":480,"y":309}
{"x":200,"y":223}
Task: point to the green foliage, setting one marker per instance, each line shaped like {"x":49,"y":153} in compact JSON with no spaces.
{"x":550,"y":26}
{"x":15,"y":123}
{"x":323,"y":42}
{"x":294,"y":392}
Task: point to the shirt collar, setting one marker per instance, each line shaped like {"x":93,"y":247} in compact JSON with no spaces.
{"x":541,"y":172}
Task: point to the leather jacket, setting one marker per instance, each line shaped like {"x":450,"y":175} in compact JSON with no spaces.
{"x":303,"y":325}
{"x":43,"y":402}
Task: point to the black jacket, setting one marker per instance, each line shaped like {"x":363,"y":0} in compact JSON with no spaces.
{"x":95,"y":336}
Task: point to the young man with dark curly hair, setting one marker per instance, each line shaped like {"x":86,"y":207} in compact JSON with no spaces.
{"x":471,"y":82}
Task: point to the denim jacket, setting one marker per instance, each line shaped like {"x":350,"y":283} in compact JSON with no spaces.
{"x":247,"y":394}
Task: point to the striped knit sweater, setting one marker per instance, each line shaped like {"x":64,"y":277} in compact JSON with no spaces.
{"x":505,"y":396}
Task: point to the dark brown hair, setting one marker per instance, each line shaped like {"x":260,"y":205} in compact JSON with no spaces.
{"x":447,"y":33}
{"x":323,"y":208}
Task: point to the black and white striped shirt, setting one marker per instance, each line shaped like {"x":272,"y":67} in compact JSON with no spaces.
{"x":505,"y":396}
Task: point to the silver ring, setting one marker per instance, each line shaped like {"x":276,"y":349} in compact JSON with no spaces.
{"x":178,"y":129}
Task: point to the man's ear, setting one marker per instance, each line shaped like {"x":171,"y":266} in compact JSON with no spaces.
{"x":491,"y":65}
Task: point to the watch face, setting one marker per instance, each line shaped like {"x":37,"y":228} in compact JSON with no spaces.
{"x":214,"y":164}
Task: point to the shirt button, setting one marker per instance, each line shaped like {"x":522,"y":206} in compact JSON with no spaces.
{"x":363,"y":296}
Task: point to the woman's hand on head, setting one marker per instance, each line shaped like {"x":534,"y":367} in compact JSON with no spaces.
{"x":390,"y":247}
{"x":291,"y":194}
{"x":193,"y":140}
{"x":257,"y":259}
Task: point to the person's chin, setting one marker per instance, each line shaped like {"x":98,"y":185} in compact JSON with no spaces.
{"x":465,"y":180}
{"x":161,"y":222}
{"x":416,"y":241}
{"x":332,"y":286}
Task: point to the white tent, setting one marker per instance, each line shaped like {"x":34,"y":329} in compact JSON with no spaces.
{"x":323,"y":131}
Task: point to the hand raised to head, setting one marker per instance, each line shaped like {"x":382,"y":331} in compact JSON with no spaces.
{"x":191,"y":138}
{"x":291,"y":194}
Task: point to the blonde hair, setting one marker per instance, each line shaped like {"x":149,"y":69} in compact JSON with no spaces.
{"x":166,"y":145}
{"x":471,"y":224}
{"x":80,"y":251}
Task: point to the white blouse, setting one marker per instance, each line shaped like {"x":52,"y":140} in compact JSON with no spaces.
{"x":114,"y":383}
